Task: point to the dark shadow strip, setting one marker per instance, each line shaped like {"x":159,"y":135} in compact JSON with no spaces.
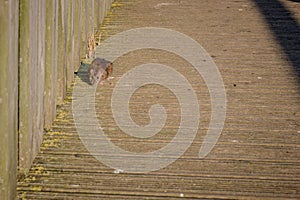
{"x":285,"y":29}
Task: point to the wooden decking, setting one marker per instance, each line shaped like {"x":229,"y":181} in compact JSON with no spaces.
{"x":256,"y":46}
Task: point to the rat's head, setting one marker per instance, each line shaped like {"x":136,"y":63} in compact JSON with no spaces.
{"x":94,"y":76}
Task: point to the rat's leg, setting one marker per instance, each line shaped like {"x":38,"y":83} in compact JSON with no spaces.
{"x":109,"y":71}
{"x":99,"y":78}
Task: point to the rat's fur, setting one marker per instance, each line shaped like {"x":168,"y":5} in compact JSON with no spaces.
{"x":99,"y":70}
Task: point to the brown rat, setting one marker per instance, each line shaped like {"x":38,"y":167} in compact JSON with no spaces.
{"x":99,"y":70}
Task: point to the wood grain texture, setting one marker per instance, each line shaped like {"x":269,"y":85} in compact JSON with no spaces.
{"x":9,"y":12}
{"x":51,"y":46}
{"x":257,"y":155}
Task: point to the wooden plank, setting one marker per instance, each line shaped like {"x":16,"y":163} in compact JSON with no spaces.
{"x":83,"y":33}
{"x":70,"y":42}
{"x":257,"y":155}
{"x":25,"y":120}
{"x":41,"y":28}
{"x":33,"y":136}
{"x":9,"y":14}
{"x":96,"y":13}
{"x":55,"y":52}
{"x":78,"y":26}
{"x":61,"y":61}
{"x":49,"y":89}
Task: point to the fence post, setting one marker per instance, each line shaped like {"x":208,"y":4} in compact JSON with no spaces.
{"x":70,"y":52}
{"x":61,"y":64}
{"x":40,"y":71}
{"x":49,"y":94}
{"x":9,"y":13}
{"x":25,"y":121}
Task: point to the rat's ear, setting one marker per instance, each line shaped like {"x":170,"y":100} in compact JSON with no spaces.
{"x":91,"y":71}
{"x":110,"y":65}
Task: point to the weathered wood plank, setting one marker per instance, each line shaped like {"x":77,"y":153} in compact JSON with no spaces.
{"x":40,"y":70}
{"x":75,"y":36}
{"x":9,"y":16}
{"x":25,"y":112}
{"x":61,"y":57}
{"x":257,"y":155}
{"x":50,"y":71}
{"x":70,"y":42}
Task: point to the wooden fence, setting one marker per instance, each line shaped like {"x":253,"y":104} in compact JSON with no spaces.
{"x":42,"y":42}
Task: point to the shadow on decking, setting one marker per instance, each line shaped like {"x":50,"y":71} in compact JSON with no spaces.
{"x":285,"y":29}
{"x":82,"y":72}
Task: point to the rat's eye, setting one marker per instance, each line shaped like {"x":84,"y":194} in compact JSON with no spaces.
{"x":98,"y":77}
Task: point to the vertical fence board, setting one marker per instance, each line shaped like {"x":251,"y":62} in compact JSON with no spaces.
{"x":49,"y":92}
{"x":87,"y":24}
{"x":40,"y":72}
{"x":76,"y":36}
{"x":66,"y":31}
{"x":83,"y":44}
{"x":8,"y":97}
{"x":61,"y":68}
{"x":91,"y":17}
{"x":102,"y":14}
{"x":70,"y":53}
{"x":55,"y":52}
{"x":97,"y":14}
{"x":32,"y":79}
{"x":25,"y":122}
